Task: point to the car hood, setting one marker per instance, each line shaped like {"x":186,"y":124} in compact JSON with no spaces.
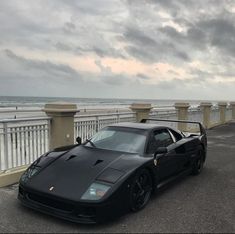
{"x":73,"y":172}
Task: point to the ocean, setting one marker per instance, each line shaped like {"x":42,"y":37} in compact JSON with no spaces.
{"x":26,"y":107}
{"x":82,"y":103}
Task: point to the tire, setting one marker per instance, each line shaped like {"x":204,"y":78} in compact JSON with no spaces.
{"x":198,"y":164}
{"x":141,"y":190}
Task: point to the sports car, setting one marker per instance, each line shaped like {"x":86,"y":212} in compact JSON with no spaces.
{"x":113,"y":172}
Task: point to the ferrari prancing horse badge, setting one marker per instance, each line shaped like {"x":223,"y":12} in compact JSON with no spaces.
{"x":51,"y":188}
{"x":155,"y":162}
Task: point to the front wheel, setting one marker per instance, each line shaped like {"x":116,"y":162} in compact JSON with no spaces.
{"x":198,"y":164}
{"x":141,"y":189}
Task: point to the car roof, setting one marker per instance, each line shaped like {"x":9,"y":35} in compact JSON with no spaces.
{"x":144,"y":126}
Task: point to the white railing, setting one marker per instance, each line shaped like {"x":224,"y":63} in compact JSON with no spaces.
{"x":194,"y":114}
{"x":165,"y":114}
{"x":19,"y":110}
{"x":22,"y":141}
{"x":228,"y":114}
{"x":87,"y":125}
{"x":215,"y":115}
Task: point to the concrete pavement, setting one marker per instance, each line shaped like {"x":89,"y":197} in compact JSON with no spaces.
{"x":204,"y":203}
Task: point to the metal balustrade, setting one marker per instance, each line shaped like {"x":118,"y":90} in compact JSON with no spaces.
{"x":228,"y":114}
{"x":87,"y":125}
{"x":22,"y":141}
{"x":194,"y":114}
{"x":165,"y":114}
{"x":215,"y":115}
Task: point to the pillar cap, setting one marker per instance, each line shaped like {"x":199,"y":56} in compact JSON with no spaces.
{"x":182,"y":105}
{"x":141,"y":106}
{"x":206,"y":104}
{"x":222,"y":103}
{"x":60,"y":107}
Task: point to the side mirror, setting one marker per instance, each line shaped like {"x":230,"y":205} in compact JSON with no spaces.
{"x":160,"y":152}
{"x":79,"y":140}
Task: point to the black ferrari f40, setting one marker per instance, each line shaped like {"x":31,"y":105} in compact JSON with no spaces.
{"x":115,"y":171}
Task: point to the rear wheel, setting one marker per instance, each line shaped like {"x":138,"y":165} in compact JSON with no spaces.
{"x":198,"y":164}
{"x":141,"y":189}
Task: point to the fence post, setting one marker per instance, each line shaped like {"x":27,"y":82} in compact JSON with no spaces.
{"x":5,"y":134}
{"x":97,"y":123}
{"x":62,"y":123}
{"x":182,"y":110}
{"x":222,"y":111}
{"x":142,"y":110}
{"x":206,"y":112}
{"x":232,"y":104}
{"x":118,"y":117}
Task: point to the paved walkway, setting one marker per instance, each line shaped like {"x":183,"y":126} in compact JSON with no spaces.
{"x":205,"y":203}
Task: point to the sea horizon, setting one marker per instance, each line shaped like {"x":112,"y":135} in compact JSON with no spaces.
{"x":39,"y":101}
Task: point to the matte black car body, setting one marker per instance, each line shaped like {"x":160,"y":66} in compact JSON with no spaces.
{"x":63,"y":175}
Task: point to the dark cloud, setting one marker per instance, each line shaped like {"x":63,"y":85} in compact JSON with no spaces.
{"x":115,"y":79}
{"x":194,"y":37}
{"x":140,"y":54}
{"x":138,"y":38}
{"x":107,"y":76}
{"x":220,"y":33}
{"x":200,"y":26}
{"x":89,"y":50}
{"x":142,"y":76}
{"x":69,"y":27}
{"x":106,"y":52}
{"x":63,"y":47}
{"x":201,"y":73}
{"x":91,"y":8}
{"x":21,"y":76}
{"x":172,"y":84}
{"x":151,"y":50}
{"x":43,"y":66}
{"x":77,"y":27}
{"x":177,"y":83}
{"x":180,"y":33}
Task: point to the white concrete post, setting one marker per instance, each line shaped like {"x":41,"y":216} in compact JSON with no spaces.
{"x":206,"y":112}
{"x":232,"y":104}
{"x":62,"y":123}
{"x":142,"y":110}
{"x":182,"y":110}
{"x":222,"y":110}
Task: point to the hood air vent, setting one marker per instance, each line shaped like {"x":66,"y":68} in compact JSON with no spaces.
{"x":70,"y":157}
{"x":97,"y":162}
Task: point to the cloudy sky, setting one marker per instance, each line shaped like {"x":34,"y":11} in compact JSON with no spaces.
{"x":163,"y":49}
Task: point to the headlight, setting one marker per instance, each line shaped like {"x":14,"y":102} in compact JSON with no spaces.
{"x":31,"y":171}
{"x":95,"y":192}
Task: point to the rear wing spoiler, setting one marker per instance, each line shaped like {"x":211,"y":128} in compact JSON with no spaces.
{"x":202,"y":129}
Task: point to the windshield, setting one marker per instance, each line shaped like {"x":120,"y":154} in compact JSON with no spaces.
{"x":119,"y":139}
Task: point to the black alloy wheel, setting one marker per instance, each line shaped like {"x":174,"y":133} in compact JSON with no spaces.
{"x":141,"y":190}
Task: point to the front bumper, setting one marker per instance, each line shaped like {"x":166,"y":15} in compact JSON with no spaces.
{"x":78,"y":212}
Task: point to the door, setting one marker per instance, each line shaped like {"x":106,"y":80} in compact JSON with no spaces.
{"x":183,"y":159}
{"x":167,"y":164}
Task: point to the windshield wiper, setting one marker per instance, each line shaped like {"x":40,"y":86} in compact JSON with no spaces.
{"x":88,"y":140}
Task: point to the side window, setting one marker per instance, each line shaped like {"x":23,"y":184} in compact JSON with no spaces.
{"x":176,"y":135}
{"x":160,"y":138}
